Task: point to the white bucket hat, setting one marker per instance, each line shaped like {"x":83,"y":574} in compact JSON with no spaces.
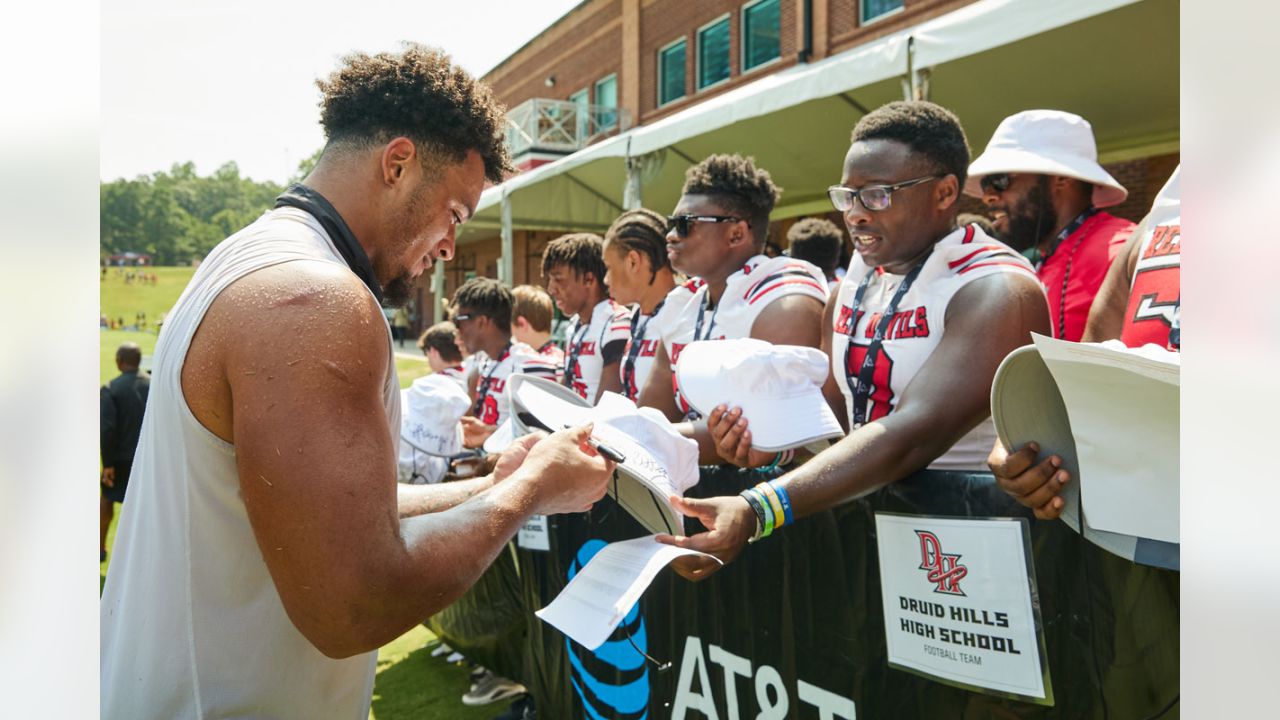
{"x":778,"y":387}
{"x":1046,"y":142}
{"x":658,"y":460}
{"x":432,"y":407}
{"x":1026,"y":405}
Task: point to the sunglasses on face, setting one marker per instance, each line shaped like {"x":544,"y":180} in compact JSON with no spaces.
{"x":874,"y":197}
{"x":997,"y":183}
{"x":681,"y":223}
{"x":463,"y":317}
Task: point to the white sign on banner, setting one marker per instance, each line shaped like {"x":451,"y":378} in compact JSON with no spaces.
{"x":959,"y":603}
{"x":534,"y":534}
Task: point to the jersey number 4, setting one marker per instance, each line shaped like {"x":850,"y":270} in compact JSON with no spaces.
{"x":881,"y":389}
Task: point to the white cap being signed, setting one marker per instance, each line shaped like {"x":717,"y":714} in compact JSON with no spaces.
{"x":431,"y":408}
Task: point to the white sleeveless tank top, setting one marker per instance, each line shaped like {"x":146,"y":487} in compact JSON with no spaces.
{"x":915,"y":329}
{"x":191,"y":623}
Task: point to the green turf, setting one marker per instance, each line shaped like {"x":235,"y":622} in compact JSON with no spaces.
{"x":410,"y":683}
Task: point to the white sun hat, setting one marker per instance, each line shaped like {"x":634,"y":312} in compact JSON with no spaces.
{"x":1046,"y":142}
{"x":1026,"y":405}
{"x":657,"y":460}
{"x":431,"y":408}
{"x":778,"y":387}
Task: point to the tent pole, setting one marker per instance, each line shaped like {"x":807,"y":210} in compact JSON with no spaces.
{"x":437,"y":292}
{"x":505,"y":264}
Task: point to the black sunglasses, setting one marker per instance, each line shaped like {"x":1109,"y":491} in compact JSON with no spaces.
{"x":681,"y":223}
{"x":995,"y":183}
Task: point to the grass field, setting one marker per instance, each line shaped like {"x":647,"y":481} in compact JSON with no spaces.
{"x":410,"y":683}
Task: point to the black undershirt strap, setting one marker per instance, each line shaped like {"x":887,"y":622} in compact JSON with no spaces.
{"x":306,"y":199}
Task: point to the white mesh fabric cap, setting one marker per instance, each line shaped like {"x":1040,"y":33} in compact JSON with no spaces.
{"x":1046,"y":142}
{"x":778,"y":387}
{"x":431,"y":408}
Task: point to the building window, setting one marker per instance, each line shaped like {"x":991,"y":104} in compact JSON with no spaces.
{"x":761,"y":33}
{"x":713,"y":53}
{"x":607,"y":97}
{"x":671,"y":71}
{"x":876,"y":9}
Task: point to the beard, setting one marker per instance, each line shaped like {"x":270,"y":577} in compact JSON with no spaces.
{"x":399,"y":291}
{"x":1031,"y":217}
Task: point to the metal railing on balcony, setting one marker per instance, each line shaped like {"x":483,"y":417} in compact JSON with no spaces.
{"x":560,"y":126}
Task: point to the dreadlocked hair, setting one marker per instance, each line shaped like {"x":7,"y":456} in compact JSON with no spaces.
{"x":580,"y":252}
{"x":419,"y":94}
{"x":488,"y":297}
{"x":644,"y":231}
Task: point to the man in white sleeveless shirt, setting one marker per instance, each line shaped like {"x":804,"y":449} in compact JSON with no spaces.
{"x":915,"y":330}
{"x":268,"y":552}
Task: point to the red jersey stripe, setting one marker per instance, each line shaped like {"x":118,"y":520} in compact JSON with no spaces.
{"x":808,"y":282}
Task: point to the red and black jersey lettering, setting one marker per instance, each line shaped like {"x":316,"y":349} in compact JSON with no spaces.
{"x":881,"y":396}
{"x":905,"y":324}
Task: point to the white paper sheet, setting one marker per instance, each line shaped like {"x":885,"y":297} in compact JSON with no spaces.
{"x":602,"y":593}
{"x":1123,"y":406}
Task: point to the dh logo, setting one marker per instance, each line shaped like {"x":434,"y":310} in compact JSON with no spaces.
{"x":613,"y":681}
{"x":943,"y":570}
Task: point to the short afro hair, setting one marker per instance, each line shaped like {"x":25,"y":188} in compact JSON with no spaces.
{"x":818,"y":241}
{"x":419,"y":94}
{"x":742,"y":188}
{"x":535,"y":305}
{"x":580,"y":252}
{"x":485,"y":296}
{"x":644,"y":231}
{"x":928,"y":129}
{"x":442,"y":337}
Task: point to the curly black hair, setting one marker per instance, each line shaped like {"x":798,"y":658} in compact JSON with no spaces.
{"x":419,"y":94}
{"x":928,"y":129}
{"x":736,"y":183}
{"x":644,"y":231}
{"x":580,"y":252}
{"x":816,"y":240}
{"x":442,"y":338}
{"x":485,"y":296}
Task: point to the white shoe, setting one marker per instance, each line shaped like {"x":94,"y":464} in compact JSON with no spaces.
{"x":492,"y":688}
{"x":455,"y":657}
{"x":440,"y":649}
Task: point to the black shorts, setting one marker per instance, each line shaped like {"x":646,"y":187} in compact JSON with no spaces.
{"x":121,"y":483}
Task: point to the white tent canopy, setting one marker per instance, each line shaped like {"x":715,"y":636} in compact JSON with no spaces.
{"x":984,"y":61}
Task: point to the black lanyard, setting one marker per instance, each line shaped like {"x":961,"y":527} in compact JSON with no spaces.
{"x":575,"y":347}
{"x":1039,"y":261}
{"x":482,"y":391}
{"x":637,"y":342}
{"x":702,"y":309}
{"x":860,"y":387}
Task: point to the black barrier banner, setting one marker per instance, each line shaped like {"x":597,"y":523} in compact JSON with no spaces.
{"x":794,"y":628}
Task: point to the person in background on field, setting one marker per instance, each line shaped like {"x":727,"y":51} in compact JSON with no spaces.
{"x":598,"y":327}
{"x":817,"y":240}
{"x":400,"y":325}
{"x":639,"y":275}
{"x":121,"y":405}
{"x":1044,"y":189}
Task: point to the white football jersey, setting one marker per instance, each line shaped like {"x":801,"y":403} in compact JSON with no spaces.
{"x":585,"y":345}
{"x":645,"y":335}
{"x":747,"y":293}
{"x":915,"y":328}
{"x":491,"y":404}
